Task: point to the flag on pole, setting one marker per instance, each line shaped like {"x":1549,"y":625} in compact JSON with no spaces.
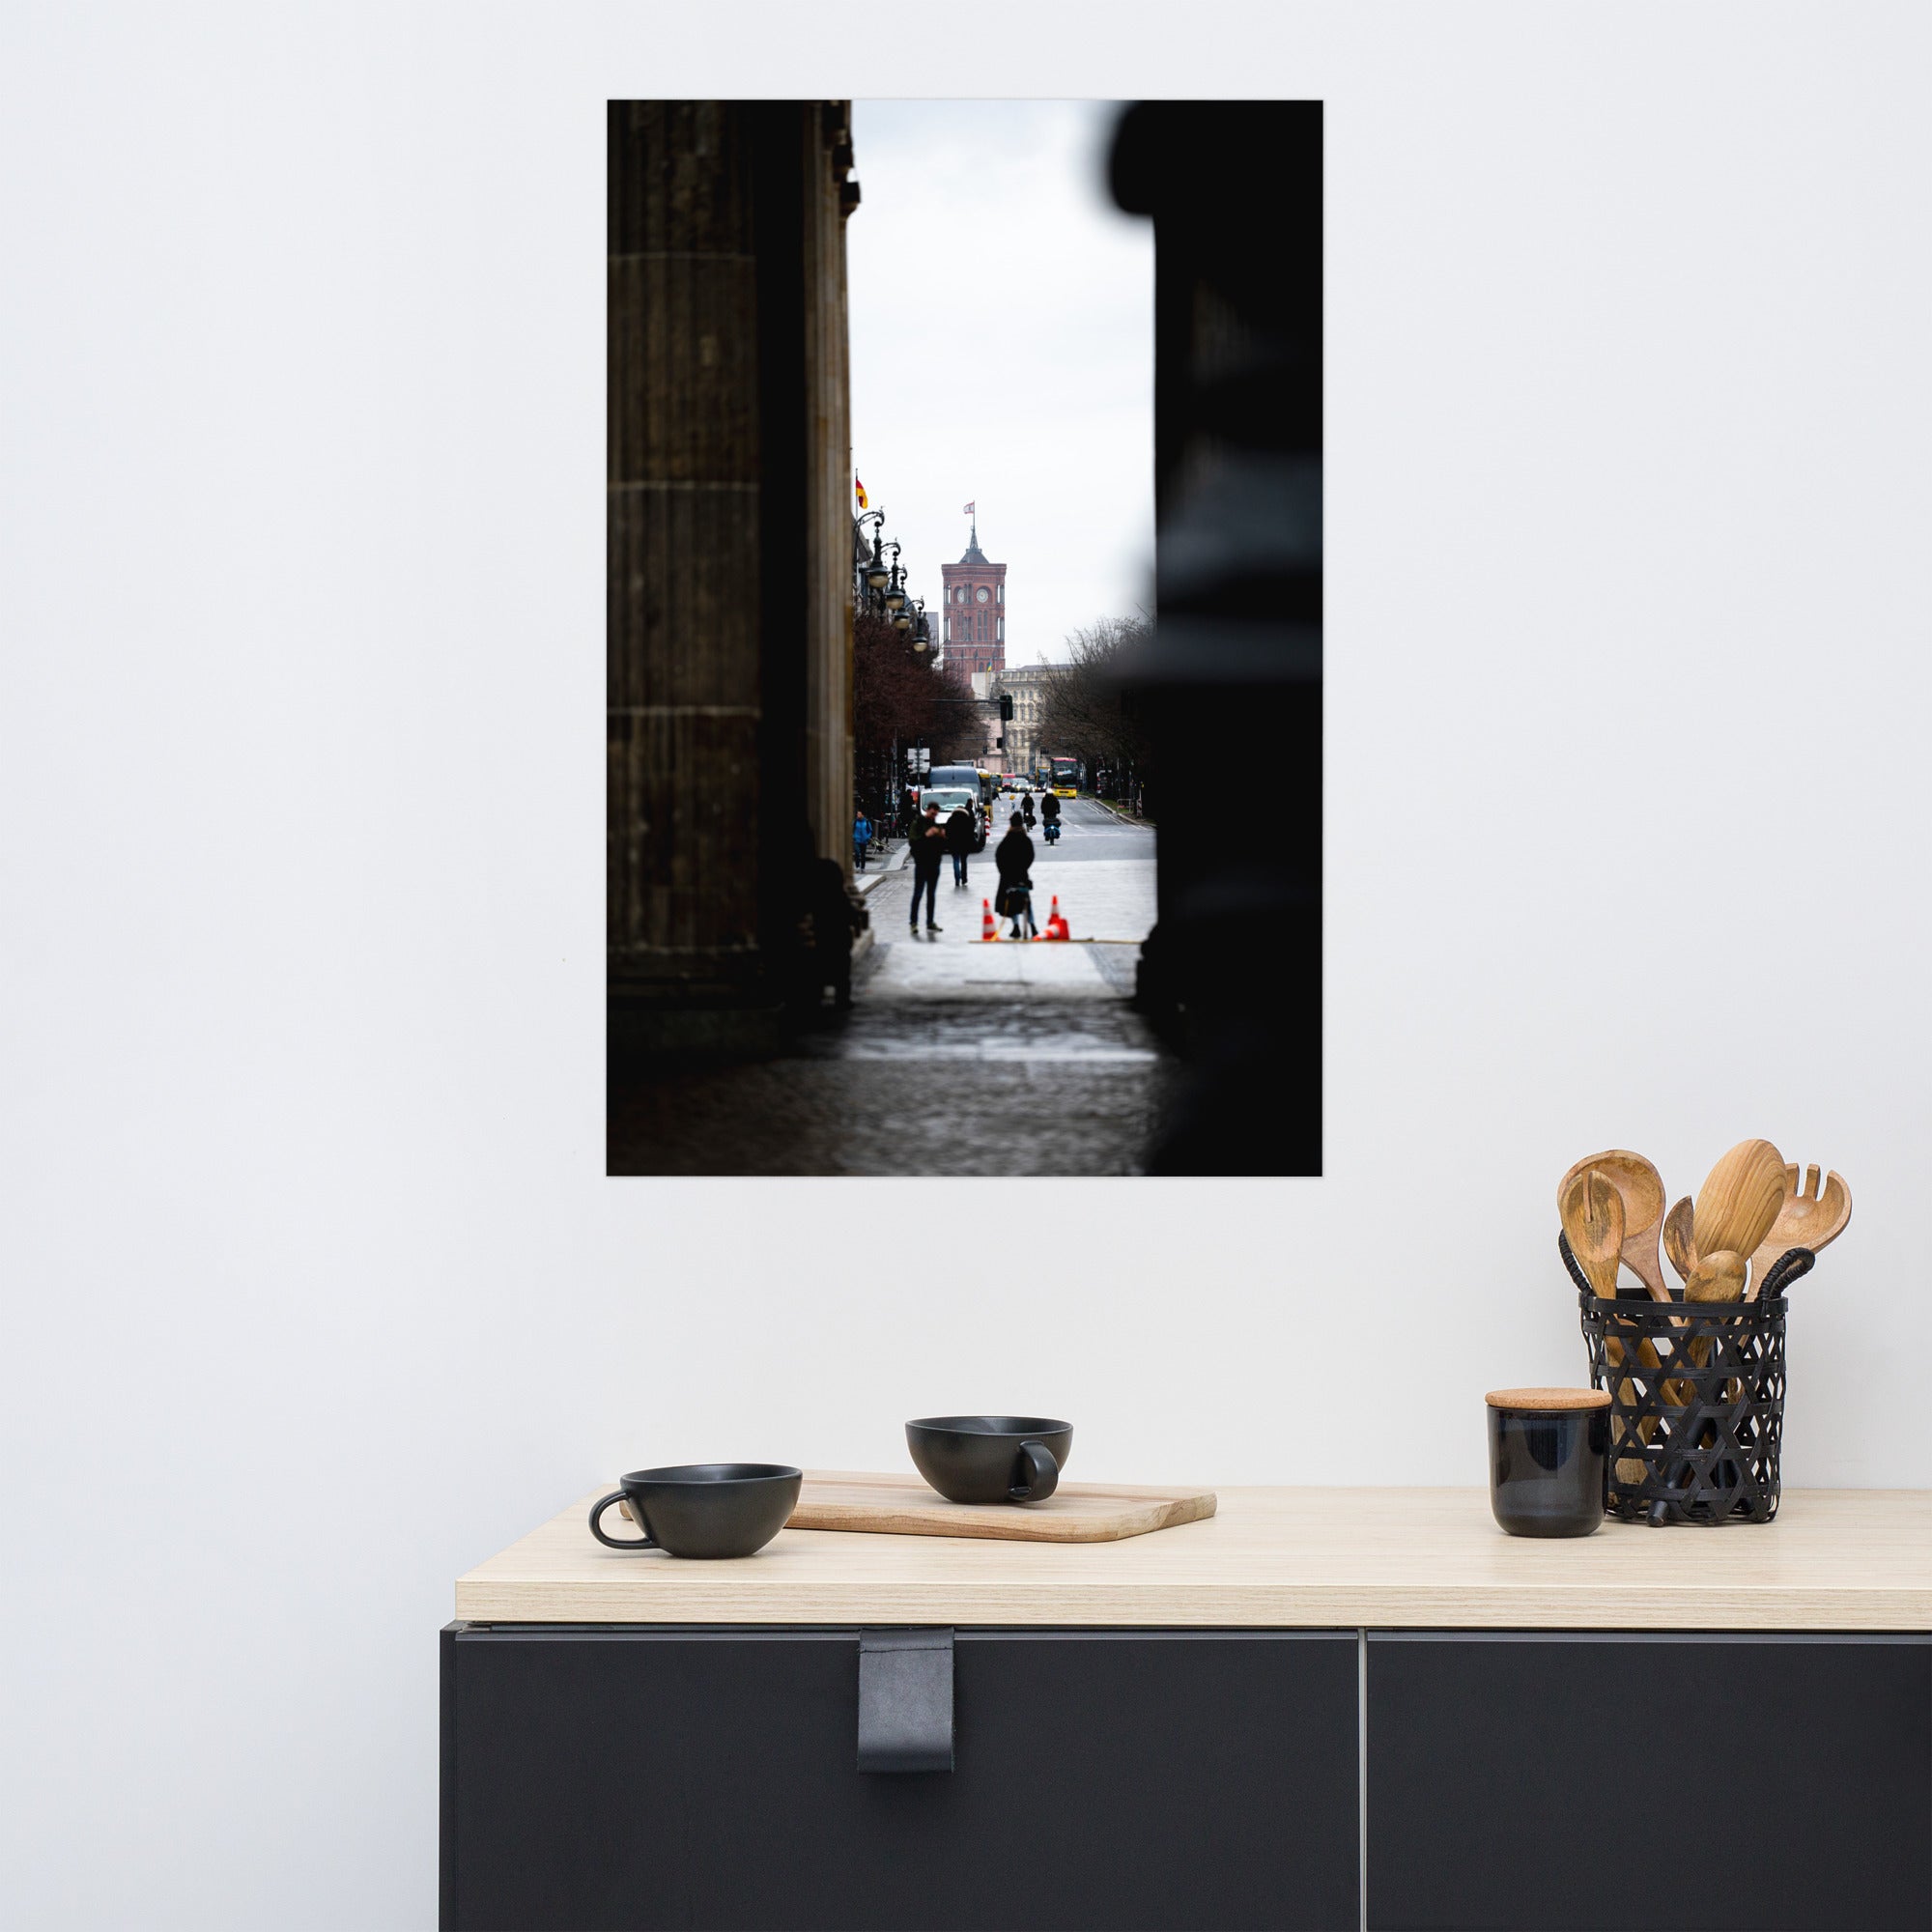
{"x":861,"y":487}
{"x":970,"y":510}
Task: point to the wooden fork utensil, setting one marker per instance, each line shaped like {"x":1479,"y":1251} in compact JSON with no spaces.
{"x":1808,"y":1216}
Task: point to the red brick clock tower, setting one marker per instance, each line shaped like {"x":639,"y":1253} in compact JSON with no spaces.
{"x":974,"y":594}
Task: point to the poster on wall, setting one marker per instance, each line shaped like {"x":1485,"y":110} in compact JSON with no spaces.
{"x":964,"y":638}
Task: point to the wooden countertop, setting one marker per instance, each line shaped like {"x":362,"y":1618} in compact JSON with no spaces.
{"x":1835,"y":1559}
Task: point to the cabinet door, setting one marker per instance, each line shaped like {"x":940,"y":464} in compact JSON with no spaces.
{"x":604,"y":1778}
{"x":1621,"y":1781}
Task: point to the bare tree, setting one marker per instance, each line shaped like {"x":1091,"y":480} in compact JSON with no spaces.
{"x":1082,"y":712}
{"x":900,"y":697}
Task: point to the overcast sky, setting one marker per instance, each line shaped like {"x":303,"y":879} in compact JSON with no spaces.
{"x":1002,"y":319}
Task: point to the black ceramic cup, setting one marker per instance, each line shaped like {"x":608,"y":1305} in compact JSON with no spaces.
{"x":704,"y":1509}
{"x":1549,"y":1458}
{"x":990,"y":1459}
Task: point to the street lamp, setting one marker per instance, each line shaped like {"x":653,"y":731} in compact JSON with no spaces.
{"x":871,"y":569}
{"x":894,"y":583}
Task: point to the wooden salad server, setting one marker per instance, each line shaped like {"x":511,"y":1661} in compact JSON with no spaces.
{"x":1592,"y":1210}
{"x":1641,"y":1187}
{"x":1807,"y":1217}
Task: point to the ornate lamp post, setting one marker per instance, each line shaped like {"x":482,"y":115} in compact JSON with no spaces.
{"x":868,"y":570}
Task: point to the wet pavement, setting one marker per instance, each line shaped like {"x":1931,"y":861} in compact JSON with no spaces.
{"x":957,"y":1057}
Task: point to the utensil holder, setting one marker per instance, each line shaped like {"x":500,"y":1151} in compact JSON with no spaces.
{"x":1707,"y":1420}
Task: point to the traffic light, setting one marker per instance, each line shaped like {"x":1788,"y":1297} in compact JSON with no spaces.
{"x":1006,"y":707}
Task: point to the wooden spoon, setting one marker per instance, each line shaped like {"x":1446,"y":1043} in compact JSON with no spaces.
{"x":1641,"y":1187}
{"x":1807,"y":1217}
{"x":1717,"y":1277}
{"x":1680,"y":1241}
{"x":1738,"y":1200}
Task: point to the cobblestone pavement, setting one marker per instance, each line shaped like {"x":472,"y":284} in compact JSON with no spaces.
{"x":958,"y":1058}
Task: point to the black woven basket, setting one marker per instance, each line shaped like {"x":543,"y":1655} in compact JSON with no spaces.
{"x":1696,"y":1399}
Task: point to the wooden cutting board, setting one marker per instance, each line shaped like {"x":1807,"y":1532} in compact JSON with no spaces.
{"x":1075,"y":1512}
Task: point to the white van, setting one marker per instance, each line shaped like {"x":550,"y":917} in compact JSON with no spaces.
{"x":949,"y":798}
{"x":953,"y":777}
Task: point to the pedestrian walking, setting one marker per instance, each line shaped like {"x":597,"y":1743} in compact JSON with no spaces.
{"x":1014,"y":857}
{"x":929,"y":848}
{"x":1027,"y":808}
{"x":862,"y":839}
{"x":961,"y":834}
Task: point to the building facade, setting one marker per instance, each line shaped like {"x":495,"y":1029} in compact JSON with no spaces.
{"x":1027,"y":686}
{"x":972,"y":594}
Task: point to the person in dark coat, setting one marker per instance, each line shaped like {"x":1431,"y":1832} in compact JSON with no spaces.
{"x":961,"y":836}
{"x":1027,"y":808}
{"x":929,"y":848}
{"x":1014,"y":856}
{"x":1049,"y":817}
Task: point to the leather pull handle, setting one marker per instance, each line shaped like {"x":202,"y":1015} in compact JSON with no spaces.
{"x":905,"y":1700}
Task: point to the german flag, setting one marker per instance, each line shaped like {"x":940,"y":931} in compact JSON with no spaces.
{"x":861,"y":487}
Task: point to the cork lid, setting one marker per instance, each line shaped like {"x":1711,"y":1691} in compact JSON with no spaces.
{"x":1548,"y":1400}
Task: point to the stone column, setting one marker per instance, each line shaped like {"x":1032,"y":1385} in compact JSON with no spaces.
{"x":728,"y":620}
{"x":682,"y":617}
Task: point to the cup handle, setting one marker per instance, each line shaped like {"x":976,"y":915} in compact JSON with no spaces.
{"x":597,"y":1510}
{"x":1042,"y":1474}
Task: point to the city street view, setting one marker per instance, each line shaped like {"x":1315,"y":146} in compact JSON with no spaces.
{"x":934,"y":644}
{"x":956,"y":1057}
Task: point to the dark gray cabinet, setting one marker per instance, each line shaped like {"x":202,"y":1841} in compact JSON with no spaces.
{"x":1583,"y":1782}
{"x":603,"y":1777}
{"x":615,"y":1777}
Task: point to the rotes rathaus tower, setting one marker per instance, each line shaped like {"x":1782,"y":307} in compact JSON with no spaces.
{"x":975,"y":608}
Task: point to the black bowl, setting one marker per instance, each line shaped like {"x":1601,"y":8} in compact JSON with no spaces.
{"x":704,"y":1509}
{"x":990,"y":1459}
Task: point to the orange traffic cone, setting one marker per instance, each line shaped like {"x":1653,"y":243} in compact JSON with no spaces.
{"x":987,"y":930}
{"x":1056,"y":925}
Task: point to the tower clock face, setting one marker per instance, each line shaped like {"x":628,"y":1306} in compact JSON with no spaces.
{"x":982,"y":593}
{"x":960,"y":595}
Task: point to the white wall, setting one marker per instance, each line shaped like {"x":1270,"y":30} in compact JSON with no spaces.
{"x":314,"y":1294}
